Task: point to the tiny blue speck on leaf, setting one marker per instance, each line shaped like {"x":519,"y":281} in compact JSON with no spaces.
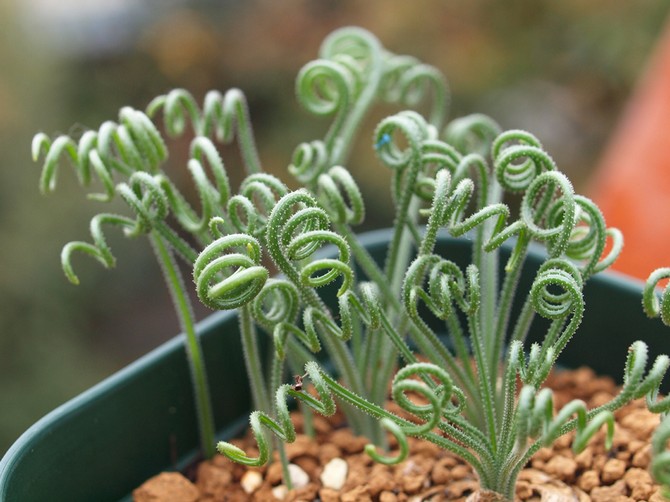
{"x":382,"y":141}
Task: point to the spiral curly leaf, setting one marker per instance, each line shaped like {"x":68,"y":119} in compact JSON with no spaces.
{"x":535,"y":416}
{"x":472,"y":134}
{"x":589,"y":238}
{"x":401,"y":438}
{"x":145,"y":196}
{"x":316,"y":321}
{"x":447,"y":286}
{"x":225,"y":116}
{"x":277,"y":302}
{"x":550,"y":201}
{"x":556,"y":294}
{"x":294,"y":237}
{"x":309,"y":160}
{"x":133,"y":145}
{"x":283,"y":428}
{"x":340,"y":196}
{"x":413,"y":129}
{"x":227,"y":273}
{"x":212,"y":197}
{"x":407,"y":81}
{"x":250,"y":209}
{"x":653,"y":306}
{"x":536,"y":368}
{"x":99,"y":250}
{"x":518,"y":159}
{"x":435,"y":156}
{"x":440,"y":398}
{"x":637,"y":385}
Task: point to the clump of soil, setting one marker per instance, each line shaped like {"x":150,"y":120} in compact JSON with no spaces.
{"x":334,"y":468}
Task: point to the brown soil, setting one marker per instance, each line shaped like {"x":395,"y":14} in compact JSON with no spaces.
{"x":431,"y":474}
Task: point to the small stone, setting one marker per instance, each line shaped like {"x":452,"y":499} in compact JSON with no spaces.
{"x":167,"y":487}
{"x":307,"y":492}
{"x":381,"y":479}
{"x":640,"y":483}
{"x":329,"y":495}
{"x":358,"y":494}
{"x":613,"y":470}
{"x":387,"y":496}
{"x":327,"y":452}
{"x":562,"y":467}
{"x":213,"y":480}
{"x":609,"y":493}
{"x":349,"y":443}
{"x":642,"y":457}
{"x":412,"y":483}
{"x":299,"y":478}
{"x":303,"y":445}
{"x":274,"y":474}
{"x":251,"y":481}
{"x":461,"y":472}
{"x":585,"y":458}
{"x":657,"y":496}
{"x":588,"y":481}
{"x":441,"y":473}
{"x":279,"y":492}
{"x":335,"y":474}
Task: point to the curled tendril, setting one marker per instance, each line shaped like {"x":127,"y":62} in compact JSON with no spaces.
{"x":340,"y":196}
{"x":227,"y":273}
{"x":589,"y":237}
{"x":548,"y":211}
{"x":660,"y":461}
{"x":292,"y":238}
{"x":518,"y":159}
{"x":407,"y":81}
{"x":447,"y":285}
{"x":435,"y":156}
{"x":283,"y":427}
{"x":249,"y":210}
{"x":536,"y":368}
{"x":535,"y":417}
{"x":355,"y":44}
{"x":472,"y":134}
{"x":439,"y":398}
{"x":132,"y":145}
{"x":309,"y":161}
{"x":637,"y":385}
{"x":653,"y":306}
{"x":276,"y":308}
{"x":401,"y":438}
{"x":325,"y":88}
{"x":225,"y":116}
{"x":99,"y":250}
{"x":212,"y":196}
{"x":146,"y":197}
{"x":390,"y":151}
{"x":556,"y":294}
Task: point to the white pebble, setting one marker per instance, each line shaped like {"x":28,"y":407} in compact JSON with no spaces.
{"x":279,"y":492}
{"x":251,"y":480}
{"x":299,"y":478}
{"x":335,"y":474}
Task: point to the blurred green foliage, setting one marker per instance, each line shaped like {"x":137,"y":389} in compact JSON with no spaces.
{"x":562,"y":69}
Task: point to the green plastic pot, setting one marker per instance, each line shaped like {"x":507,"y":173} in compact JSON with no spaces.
{"x":141,"y":421}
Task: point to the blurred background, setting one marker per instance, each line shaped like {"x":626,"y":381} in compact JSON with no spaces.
{"x":562,"y":70}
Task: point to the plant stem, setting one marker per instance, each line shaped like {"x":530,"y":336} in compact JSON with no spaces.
{"x":252,"y":360}
{"x":194,"y":353}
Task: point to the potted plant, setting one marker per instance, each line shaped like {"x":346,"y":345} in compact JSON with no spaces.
{"x":457,"y":262}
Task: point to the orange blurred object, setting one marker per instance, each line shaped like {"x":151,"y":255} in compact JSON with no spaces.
{"x":632,"y":184}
